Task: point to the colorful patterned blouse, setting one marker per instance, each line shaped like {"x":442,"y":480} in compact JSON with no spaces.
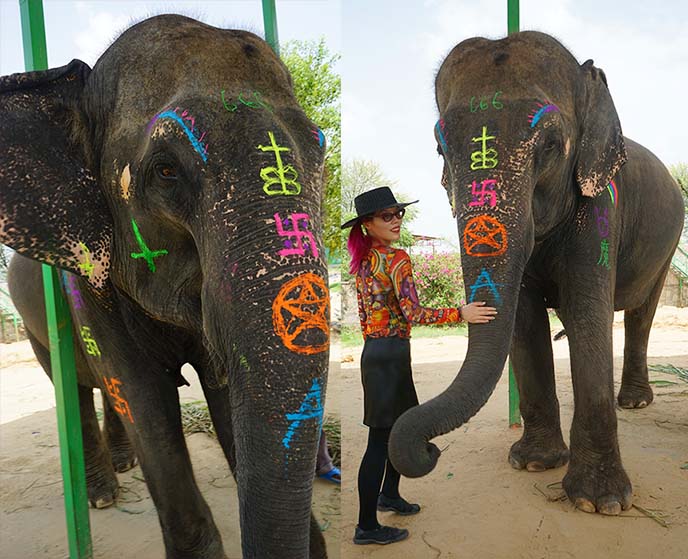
{"x":387,"y":298}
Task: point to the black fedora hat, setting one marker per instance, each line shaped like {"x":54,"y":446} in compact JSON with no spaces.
{"x":373,"y":201}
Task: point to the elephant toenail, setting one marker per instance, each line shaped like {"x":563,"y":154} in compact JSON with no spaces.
{"x":103,"y":503}
{"x":535,"y":467}
{"x":584,"y":505}
{"x":611,"y":509}
{"x":642,"y":404}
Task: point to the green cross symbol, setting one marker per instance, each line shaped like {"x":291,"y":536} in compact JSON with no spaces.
{"x":147,"y":254}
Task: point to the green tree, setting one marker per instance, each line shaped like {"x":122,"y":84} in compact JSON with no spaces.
{"x":318,"y":89}
{"x":680,"y":172}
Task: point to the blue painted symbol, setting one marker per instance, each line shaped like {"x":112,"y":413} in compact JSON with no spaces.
{"x":484,"y":280}
{"x":197,"y":143}
{"x":318,"y":135}
{"x":311,"y":408}
{"x":439,"y":127}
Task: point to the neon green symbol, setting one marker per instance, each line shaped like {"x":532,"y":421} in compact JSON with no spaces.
{"x":284,"y":176}
{"x":147,"y":254}
{"x":484,"y":158}
{"x":87,"y":266}
{"x":231,"y":107}
{"x":604,"y":254}
{"x":91,"y":345}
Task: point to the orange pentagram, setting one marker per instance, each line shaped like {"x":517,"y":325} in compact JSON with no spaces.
{"x":300,"y":314}
{"x":484,"y":236}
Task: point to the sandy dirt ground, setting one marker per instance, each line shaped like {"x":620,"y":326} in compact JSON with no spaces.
{"x":32,"y":520}
{"x":476,"y":506}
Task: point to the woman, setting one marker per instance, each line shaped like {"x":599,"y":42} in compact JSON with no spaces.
{"x":388,"y":304}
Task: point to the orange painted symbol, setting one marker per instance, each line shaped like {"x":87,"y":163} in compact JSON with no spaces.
{"x":300,"y":314}
{"x":484,"y":236}
{"x":120,"y":405}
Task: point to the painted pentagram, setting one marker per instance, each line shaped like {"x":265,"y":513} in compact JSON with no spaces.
{"x":484,"y":236}
{"x":300,"y":314}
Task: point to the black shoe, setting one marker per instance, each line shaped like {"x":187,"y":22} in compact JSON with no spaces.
{"x":382,"y":535}
{"x":400,"y":505}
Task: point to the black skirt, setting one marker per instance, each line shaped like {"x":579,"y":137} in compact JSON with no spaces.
{"x":387,"y":381}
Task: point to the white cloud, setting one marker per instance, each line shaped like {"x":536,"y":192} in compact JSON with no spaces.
{"x":101,"y":28}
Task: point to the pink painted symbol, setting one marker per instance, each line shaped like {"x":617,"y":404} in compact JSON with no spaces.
{"x":302,"y":238}
{"x":486,"y":190}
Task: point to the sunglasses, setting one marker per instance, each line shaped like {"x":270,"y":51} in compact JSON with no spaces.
{"x":389,"y":216}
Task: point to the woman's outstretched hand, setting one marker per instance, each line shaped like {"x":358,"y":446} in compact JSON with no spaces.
{"x":478,"y":313}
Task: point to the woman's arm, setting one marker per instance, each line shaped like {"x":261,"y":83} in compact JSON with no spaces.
{"x":401,"y":273}
{"x":362,"y":316}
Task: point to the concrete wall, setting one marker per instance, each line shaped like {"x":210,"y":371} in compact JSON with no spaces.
{"x":675,"y":292}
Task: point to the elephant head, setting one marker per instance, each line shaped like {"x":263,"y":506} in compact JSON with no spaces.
{"x":181,"y":174}
{"x":526,"y":134}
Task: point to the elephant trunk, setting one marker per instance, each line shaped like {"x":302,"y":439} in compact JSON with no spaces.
{"x":495,"y":280}
{"x":267,"y":332}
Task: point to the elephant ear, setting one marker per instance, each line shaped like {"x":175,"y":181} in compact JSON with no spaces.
{"x":51,"y":206}
{"x":601,"y":146}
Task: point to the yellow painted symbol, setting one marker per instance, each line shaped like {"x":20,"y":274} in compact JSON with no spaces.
{"x":280,"y":175}
{"x":484,"y":158}
{"x":91,"y":345}
{"x":87,"y":267}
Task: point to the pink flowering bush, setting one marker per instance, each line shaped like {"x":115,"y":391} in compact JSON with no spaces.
{"x":439,"y":280}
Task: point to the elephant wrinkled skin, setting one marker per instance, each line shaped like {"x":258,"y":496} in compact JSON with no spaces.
{"x":555,"y":209}
{"x":178,"y":186}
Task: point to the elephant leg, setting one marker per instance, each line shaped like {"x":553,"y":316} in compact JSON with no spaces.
{"x":116,"y":439}
{"x":596,"y":479}
{"x":542,"y":445}
{"x":635,"y":389}
{"x":101,"y":480}
{"x":152,"y":417}
{"x":221,"y":416}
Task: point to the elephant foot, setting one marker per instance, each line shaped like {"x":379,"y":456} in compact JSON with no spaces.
{"x":123,"y":458}
{"x":631,"y":397}
{"x":602,"y":487}
{"x":102,"y":493}
{"x":526,"y":454}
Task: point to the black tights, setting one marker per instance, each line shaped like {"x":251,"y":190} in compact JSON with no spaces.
{"x":370,"y":476}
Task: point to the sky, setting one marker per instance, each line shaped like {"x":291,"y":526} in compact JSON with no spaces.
{"x":391,"y":55}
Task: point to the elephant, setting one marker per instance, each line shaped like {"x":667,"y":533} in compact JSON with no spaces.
{"x":555,"y":208}
{"x":178,"y":188}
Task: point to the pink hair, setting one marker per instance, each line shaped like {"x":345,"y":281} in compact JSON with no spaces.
{"x":358,"y":245}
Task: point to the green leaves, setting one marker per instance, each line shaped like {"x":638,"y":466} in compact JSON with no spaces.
{"x":318,"y":88}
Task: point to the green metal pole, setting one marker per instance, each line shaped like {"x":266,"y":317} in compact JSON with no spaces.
{"x":61,"y":342}
{"x":514,"y":411}
{"x":513,"y":16}
{"x":270,"y":24}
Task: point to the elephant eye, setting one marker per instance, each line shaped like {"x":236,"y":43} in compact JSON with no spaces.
{"x":166,"y":172}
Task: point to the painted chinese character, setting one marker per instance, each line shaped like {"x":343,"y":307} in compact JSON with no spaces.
{"x":484,"y":158}
{"x":119,"y":403}
{"x":91,"y":345}
{"x":280,"y":175}
{"x":604,"y":254}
